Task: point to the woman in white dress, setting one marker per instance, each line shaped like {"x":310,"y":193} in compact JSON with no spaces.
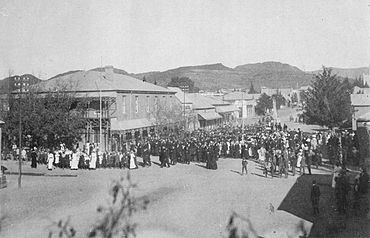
{"x":133,"y":164}
{"x":299,"y":160}
{"x":93,"y":159}
{"x":57,"y":157}
{"x":262,"y":154}
{"x":50,"y":160}
{"x":74,"y":161}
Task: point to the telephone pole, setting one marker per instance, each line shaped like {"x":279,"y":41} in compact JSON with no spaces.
{"x":20,"y":133}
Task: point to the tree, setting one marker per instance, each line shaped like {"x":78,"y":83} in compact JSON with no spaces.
{"x":183,"y":81}
{"x":264,"y":103}
{"x":48,"y":119}
{"x":359,"y":82}
{"x":294,"y":98}
{"x":251,"y":89}
{"x":328,"y":101}
{"x":280,"y":100}
{"x":165,"y":115}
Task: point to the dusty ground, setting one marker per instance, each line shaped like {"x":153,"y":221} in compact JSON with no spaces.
{"x":186,"y":200}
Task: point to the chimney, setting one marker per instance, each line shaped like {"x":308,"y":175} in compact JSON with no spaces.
{"x":108,"y":72}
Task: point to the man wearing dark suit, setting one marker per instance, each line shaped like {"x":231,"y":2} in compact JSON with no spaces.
{"x":315,"y":197}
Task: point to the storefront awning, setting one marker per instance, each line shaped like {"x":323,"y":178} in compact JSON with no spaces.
{"x":364,"y":118}
{"x":207,"y":116}
{"x":130,"y":124}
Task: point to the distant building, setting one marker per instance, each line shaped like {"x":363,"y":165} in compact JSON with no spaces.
{"x":285,"y":92}
{"x":208,"y":111}
{"x":17,"y":82}
{"x":360,"y":107}
{"x":127,"y":104}
{"x":246,"y":103}
{"x":358,"y":90}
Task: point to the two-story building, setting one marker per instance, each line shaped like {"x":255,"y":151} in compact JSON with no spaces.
{"x":119,"y":107}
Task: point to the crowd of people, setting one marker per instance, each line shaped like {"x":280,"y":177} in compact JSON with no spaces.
{"x":277,"y":150}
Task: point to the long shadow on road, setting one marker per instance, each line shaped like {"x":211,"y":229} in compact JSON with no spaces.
{"x":328,"y":223}
{"x":298,"y":202}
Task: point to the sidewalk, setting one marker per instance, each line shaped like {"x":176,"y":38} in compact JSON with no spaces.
{"x":41,"y":170}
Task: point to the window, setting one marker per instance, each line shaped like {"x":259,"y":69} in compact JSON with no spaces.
{"x":124,"y":104}
{"x":147,"y":103}
{"x":136,"y":104}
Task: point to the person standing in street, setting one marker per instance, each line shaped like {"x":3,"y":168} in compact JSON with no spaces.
{"x":310,"y":155}
{"x":244,"y":165}
{"x":315,"y":197}
{"x":34,"y":158}
{"x":50,"y":160}
{"x":363,"y":181}
{"x":293,"y":160}
{"x":133,"y":162}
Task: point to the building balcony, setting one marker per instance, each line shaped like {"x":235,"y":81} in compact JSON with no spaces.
{"x":95,"y":114}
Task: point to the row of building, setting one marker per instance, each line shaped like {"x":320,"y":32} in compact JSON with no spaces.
{"x":120,"y":107}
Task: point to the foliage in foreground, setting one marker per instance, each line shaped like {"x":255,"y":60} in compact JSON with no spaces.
{"x":116,"y":219}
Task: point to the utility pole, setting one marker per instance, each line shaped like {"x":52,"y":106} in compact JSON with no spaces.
{"x":100,"y":108}
{"x":184,"y":88}
{"x":20,"y":133}
{"x":242,"y":111}
{"x":100,"y":122}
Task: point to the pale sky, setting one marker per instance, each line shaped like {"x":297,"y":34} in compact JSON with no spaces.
{"x":47,"y":37}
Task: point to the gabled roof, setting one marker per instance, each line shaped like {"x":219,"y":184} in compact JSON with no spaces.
{"x":226,"y":108}
{"x":180,"y":95}
{"x":89,"y":81}
{"x":215,"y":101}
{"x":198,"y":101}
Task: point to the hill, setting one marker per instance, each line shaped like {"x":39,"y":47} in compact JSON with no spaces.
{"x":216,"y":76}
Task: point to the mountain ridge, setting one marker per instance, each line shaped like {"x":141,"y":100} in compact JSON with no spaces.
{"x":216,"y":76}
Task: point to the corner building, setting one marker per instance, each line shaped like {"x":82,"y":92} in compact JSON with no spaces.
{"x":127,"y":105}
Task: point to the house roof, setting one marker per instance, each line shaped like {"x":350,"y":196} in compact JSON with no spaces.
{"x":233,"y":96}
{"x":214,"y":100}
{"x":198,"y":101}
{"x":209,"y":115}
{"x":360,"y":99}
{"x":92,"y":81}
{"x":180,"y":95}
{"x":226,"y":108}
